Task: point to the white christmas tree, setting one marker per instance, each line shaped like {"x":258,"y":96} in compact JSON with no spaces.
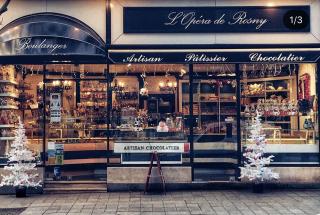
{"x":255,"y":164}
{"x":21,"y":166}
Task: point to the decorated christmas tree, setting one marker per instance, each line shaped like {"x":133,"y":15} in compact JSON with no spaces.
{"x":255,"y":164}
{"x":21,"y":165}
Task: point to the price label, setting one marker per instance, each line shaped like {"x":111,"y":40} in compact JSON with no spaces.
{"x":296,"y":19}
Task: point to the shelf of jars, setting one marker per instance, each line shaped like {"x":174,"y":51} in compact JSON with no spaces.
{"x":9,"y":105}
{"x":213,"y":102}
{"x":273,"y":97}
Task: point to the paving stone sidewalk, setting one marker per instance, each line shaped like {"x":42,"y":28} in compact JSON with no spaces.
{"x":193,"y":202}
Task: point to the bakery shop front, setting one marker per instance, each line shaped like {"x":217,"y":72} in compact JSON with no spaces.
{"x":53,"y":76}
{"x":181,"y":78}
{"x":198,"y":74}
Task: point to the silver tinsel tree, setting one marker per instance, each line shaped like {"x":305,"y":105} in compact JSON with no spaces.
{"x":21,"y":167}
{"x":255,"y":164}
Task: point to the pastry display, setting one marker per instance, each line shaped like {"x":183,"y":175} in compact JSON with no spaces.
{"x":8,"y":117}
{"x":7,"y":73}
{"x":276,"y":106}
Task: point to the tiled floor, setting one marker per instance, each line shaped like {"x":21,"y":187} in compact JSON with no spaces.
{"x":193,"y":202}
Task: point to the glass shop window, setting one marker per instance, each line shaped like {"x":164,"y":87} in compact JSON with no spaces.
{"x":286,"y":97}
{"x":145,"y":107}
{"x":20,"y":97}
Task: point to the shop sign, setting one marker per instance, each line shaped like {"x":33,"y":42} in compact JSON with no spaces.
{"x":214,"y":57}
{"x":26,"y":44}
{"x":147,"y":147}
{"x":251,"y":19}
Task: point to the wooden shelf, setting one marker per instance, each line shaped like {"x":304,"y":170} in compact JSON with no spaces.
{"x":217,"y":114}
{"x":12,"y":95}
{"x":9,"y":82}
{"x":209,"y":101}
{"x":267,"y":79}
{"x":228,"y":101}
{"x":277,"y":91}
{"x":94,"y":91}
{"x":253,"y":96}
{"x":9,"y":107}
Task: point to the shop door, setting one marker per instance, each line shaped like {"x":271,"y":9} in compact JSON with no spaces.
{"x":215,"y":130}
{"x":76,"y":128}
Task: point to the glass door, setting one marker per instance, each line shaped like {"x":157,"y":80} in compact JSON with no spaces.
{"x":76,"y":123}
{"x":215,"y":131}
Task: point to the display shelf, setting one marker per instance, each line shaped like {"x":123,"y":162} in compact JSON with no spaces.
{"x":9,"y":82}
{"x":267,"y":79}
{"x":253,"y":96}
{"x":288,"y":85}
{"x":228,"y":101}
{"x":206,"y":110}
{"x":215,"y":114}
{"x":11,"y":95}
{"x":209,"y":101}
{"x":7,"y":138}
{"x":93,"y":98}
{"x":209,"y":134}
{"x":8,"y":107}
{"x":7,"y":126}
{"x":277,"y":91}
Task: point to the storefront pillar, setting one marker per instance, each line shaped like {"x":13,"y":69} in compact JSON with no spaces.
{"x":239,"y":151}
{"x":109,"y":106}
{"x":318,"y":93}
{"x":44,"y":156}
{"x":191,"y":120}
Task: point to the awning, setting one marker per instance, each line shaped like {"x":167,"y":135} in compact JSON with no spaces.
{"x":50,"y":36}
{"x":266,"y":55}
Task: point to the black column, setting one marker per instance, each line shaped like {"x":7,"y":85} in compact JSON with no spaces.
{"x":109,"y":106}
{"x":239,"y":151}
{"x":191,"y":120}
{"x":141,"y":85}
{"x":317,"y":96}
{"x":44,"y":118}
{"x":78,"y":98}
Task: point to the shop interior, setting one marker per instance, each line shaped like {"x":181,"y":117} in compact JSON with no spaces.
{"x":85,"y":108}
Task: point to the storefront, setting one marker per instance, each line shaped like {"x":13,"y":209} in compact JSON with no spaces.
{"x":182,"y":78}
{"x":220,"y":62}
{"x":50,"y":55}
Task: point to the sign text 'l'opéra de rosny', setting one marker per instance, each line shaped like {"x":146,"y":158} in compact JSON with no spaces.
{"x":30,"y":44}
{"x":191,"y":18}
{"x":244,"y":19}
